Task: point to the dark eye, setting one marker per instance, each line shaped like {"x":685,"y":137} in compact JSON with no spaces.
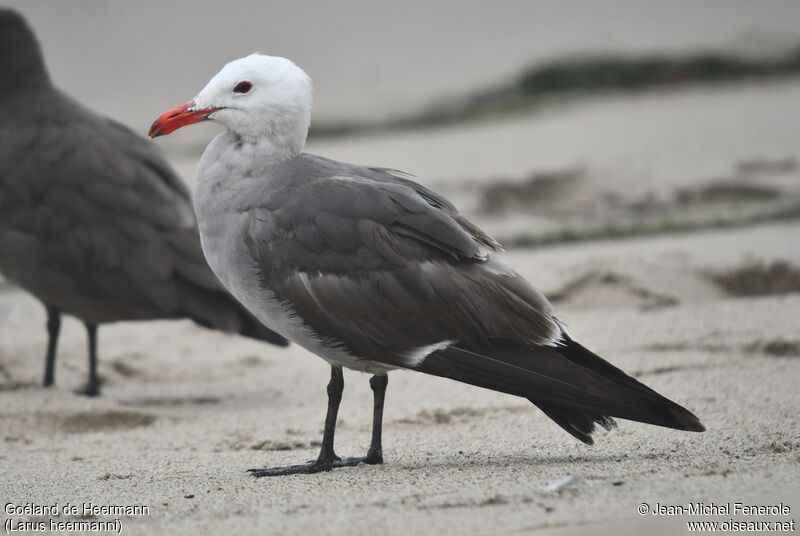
{"x":243,"y":87}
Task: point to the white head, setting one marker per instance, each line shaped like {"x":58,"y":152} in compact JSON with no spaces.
{"x":256,"y":97}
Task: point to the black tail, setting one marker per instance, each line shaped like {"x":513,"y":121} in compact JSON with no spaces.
{"x":573,"y":386}
{"x":580,"y":424}
{"x":216,"y":309}
{"x":254,"y":329}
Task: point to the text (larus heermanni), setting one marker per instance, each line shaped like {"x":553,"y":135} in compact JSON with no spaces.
{"x":93,"y":222}
{"x":375,"y":272}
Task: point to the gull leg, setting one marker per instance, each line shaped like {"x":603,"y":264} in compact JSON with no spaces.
{"x":93,"y":387}
{"x":327,"y":459}
{"x":375,"y":453}
{"x":53,"y":328}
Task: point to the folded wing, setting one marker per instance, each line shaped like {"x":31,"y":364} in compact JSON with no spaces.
{"x":379,"y":265}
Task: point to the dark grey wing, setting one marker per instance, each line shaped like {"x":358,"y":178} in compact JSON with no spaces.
{"x":143,"y":151}
{"x":391,"y":272}
{"x":371,"y":263}
{"x":93,"y":221}
{"x":97,"y":223}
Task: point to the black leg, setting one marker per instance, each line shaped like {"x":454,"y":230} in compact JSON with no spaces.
{"x":93,"y":387}
{"x":328,"y":459}
{"x":375,"y":452}
{"x":53,"y":327}
{"x":335,"y":389}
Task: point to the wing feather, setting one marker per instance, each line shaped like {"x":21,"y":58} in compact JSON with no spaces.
{"x":368,"y":259}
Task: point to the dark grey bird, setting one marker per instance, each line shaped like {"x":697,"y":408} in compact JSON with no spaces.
{"x":93,"y":222}
{"x":374,"y":272}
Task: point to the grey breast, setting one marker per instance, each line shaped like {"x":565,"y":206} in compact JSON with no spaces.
{"x":370,"y":261}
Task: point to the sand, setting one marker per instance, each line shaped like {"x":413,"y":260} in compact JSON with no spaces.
{"x":366,"y":62}
{"x":186,"y":411}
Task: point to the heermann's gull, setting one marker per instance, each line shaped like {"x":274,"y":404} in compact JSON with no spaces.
{"x":374,"y":272}
{"x":93,"y":222}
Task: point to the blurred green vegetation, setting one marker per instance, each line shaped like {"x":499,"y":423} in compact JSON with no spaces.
{"x":666,"y":225}
{"x":582,"y":76}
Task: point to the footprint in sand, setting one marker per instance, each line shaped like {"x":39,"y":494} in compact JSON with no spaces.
{"x":604,"y":288}
{"x":103,"y":421}
{"x":756,"y":278}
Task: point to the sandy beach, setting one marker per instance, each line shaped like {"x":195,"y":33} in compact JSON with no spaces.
{"x":663,"y":225}
{"x":185,"y":412}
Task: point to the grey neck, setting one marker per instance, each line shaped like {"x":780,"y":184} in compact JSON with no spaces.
{"x":240,"y":156}
{"x":230,"y":166}
{"x":262,"y":153}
